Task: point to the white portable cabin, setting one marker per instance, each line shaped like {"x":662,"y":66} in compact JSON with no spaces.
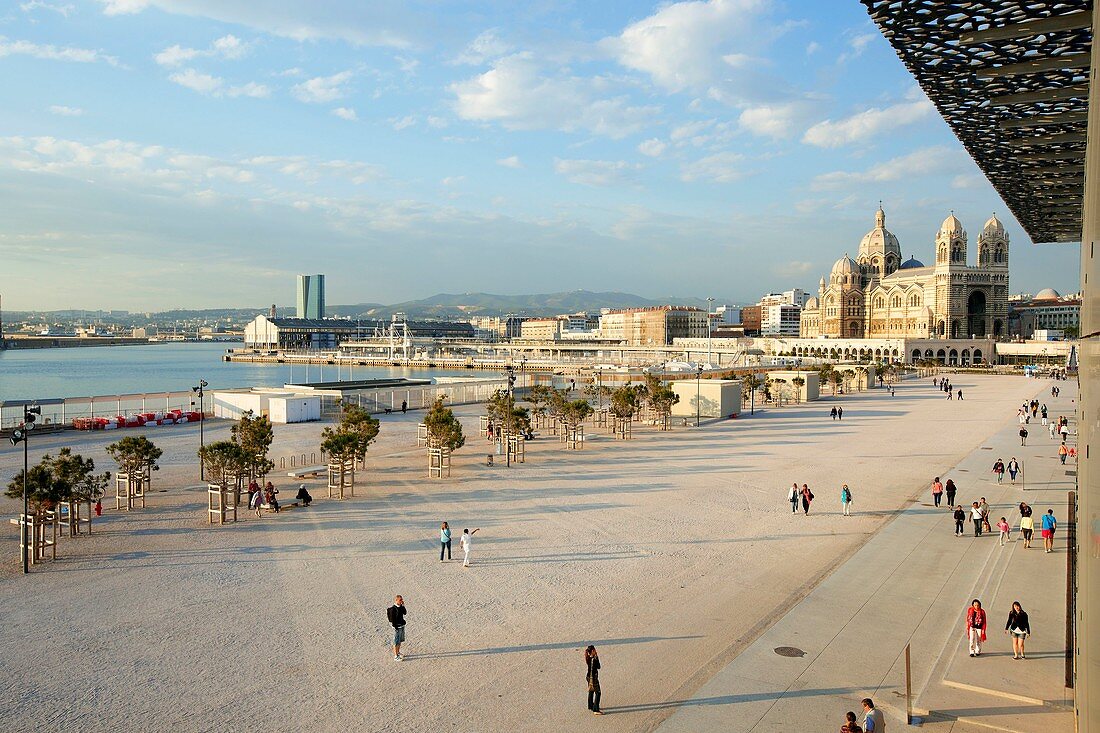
{"x":717,"y":398}
{"x":279,"y":407}
{"x":294,"y":408}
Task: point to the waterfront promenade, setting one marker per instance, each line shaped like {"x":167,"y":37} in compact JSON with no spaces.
{"x":676,"y":554}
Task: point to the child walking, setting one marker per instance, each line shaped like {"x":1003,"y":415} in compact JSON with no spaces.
{"x":1003,"y":526}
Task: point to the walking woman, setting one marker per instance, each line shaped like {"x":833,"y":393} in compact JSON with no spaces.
{"x":444,"y":541}
{"x":975,"y":627}
{"x":937,"y":491}
{"x":846,"y":500}
{"x":1063,"y":451}
{"x":999,"y":469}
{"x":1013,"y":468}
{"x":807,"y":497}
{"x":976,"y":515}
{"x":1019,"y":628}
{"x":949,"y":487}
{"x":592,"y":662}
{"x":1027,"y":524}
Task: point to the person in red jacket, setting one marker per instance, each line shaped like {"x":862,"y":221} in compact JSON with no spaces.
{"x":975,"y":627}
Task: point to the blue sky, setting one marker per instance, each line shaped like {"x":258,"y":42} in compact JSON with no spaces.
{"x":199,"y":153}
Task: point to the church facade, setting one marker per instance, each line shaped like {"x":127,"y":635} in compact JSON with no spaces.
{"x":879,"y":296}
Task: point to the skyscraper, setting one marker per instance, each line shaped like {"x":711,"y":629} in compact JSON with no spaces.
{"x":311,"y":296}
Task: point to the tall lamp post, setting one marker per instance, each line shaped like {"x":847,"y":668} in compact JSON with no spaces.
{"x":202,"y":421}
{"x":523,"y":373}
{"x":698,"y":401}
{"x":19,"y":435}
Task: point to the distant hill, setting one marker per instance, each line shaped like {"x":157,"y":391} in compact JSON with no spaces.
{"x":445,"y":306}
{"x":465,"y":305}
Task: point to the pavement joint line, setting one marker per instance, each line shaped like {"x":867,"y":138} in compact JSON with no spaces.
{"x":995,"y":693}
{"x":941,"y":718}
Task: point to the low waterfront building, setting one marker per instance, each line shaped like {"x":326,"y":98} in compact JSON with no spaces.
{"x":1046,"y":310}
{"x":291,"y":334}
{"x":540,"y":329}
{"x":657,"y":325}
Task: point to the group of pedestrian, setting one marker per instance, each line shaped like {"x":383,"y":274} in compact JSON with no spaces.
{"x":1018,"y":626}
{"x":944,"y":385}
{"x":939,"y":489}
{"x":873,"y":722}
{"x":804,"y":496}
{"x":999,"y":469}
{"x":465,"y":543}
{"x":837,"y":413}
{"x":267,"y":496}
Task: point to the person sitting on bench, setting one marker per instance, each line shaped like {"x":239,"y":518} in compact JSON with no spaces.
{"x":303,"y":495}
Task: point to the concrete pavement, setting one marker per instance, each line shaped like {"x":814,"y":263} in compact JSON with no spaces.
{"x":910,"y":584}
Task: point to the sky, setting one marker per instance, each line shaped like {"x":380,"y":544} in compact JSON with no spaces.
{"x":199,"y":153}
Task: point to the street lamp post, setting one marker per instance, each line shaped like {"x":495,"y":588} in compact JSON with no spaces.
{"x":523,"y":373}
{"x":19,"y":435}
{"x":698,"y":385}
{"x":202,"y":421}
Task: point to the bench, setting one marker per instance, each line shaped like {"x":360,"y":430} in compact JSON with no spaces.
{"x":310,"y":471}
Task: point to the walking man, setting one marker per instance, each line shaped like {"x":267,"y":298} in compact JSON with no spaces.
{"x":466,"y":543}
{"x":873,"y":722}
{"x":1049,"y":525}
{"x":1013,"y":468}
{"x":960,"y":395}
{"x":840,"y":413}
{"x":960,"y":518}
{"x":1023,"y":435}
{"x":793,"y":496}
{"x":976,"y":516}
{"x":396,"y":615}
{"x":404,"y":406}
{"x":832,"y":412}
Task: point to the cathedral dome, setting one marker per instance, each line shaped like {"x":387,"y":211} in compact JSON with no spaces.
{"x":993,"y":226}
{"x":879,"y":239}
{"x":844,"y":266}
{"x":951,"y":225}
{"x":910,"y":263}
{"x":811,"y":304}
{"x":1047,"y":294}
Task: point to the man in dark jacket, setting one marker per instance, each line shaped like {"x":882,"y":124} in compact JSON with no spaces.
{"x":396,"y":615}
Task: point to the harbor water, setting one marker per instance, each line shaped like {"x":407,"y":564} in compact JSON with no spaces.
{"x":169,"y":367}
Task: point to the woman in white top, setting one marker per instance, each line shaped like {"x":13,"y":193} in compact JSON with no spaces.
{"x":465,"y":544}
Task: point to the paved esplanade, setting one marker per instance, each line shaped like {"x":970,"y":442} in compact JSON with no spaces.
{"x":671,"y":552}
{"x":911,"y":583}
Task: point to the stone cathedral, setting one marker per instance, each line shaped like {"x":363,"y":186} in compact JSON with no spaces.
{"x":878,"y":295}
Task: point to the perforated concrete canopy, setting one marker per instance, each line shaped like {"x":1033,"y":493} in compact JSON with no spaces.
{"x":1010,"y":77}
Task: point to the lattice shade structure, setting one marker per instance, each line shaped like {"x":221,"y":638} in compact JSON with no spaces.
{"x":1010,"y":77}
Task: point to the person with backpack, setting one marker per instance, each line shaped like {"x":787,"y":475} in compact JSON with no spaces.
{"x":1063,"y":451}
{"x":396,"y":616}
{"x":1050,"y":525}
{"x":846,"y":500}
{"x":807,"y":497}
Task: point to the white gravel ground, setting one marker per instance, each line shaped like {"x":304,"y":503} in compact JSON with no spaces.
{"x":669,"y":552}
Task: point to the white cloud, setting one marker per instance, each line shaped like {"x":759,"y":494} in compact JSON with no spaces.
{"x":512,"y":161}
{"x":453,"y":180}
{"x":812,"y":47}
{"x":62,"y":10}
{"x":346,"y":113}
{"x":857,"y":44}
{"x":718,"y":168}
{"x":652,"y":147}
{"x":363,"y":22}
{"x":62,"y":110}
{"x":216,"y":86}
{"x":54,"y":53}
{"x":681,"y":45}
{"x":515,"y":93}
{"x":595,"y":172}
{"x":486,"y":47}
{"x":936,"y":160}
{"x":322,"y":89}
{"x":867,"y":125}
{"x":437,"y":122}
{"x":777,"y":121}
{"x":969,"y":180}
{"x":226,"y":47}
{"x":794,"y":268}
{"x":400,"y":123}
{"x":123,"y":7}
{"x":198,"y":82}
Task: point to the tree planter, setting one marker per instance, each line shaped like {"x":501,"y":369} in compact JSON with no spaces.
{"x":221,"y":509}
{"x":439,"y":462}
{"x":341,"y":475}
{"x":130,"y":489}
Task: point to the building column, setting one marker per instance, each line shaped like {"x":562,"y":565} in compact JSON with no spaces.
{"x":1087,"y":652}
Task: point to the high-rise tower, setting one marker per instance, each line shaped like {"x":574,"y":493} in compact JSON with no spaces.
{"x":311,"y":296}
